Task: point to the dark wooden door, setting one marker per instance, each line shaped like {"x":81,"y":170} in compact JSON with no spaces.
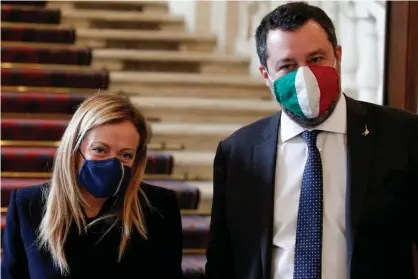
{"x":401,"y":61}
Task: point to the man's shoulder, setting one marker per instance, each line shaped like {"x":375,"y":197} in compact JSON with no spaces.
{"x":250,"y":133}
{"x":391,"y":118}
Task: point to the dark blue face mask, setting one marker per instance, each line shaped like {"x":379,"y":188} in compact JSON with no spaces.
{"x":104,"y":178}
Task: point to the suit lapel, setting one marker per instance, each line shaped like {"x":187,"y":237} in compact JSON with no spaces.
{"x":264,"y":167}
{"x":360,"y":152}
{"x":361,"y":132}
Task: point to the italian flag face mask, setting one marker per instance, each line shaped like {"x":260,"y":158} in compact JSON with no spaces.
{"x":309,"y":94}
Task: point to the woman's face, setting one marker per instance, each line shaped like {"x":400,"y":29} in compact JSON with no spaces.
{"x":119,"y":140}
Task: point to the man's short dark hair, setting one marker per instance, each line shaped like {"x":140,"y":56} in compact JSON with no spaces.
{"x":289,"y":17}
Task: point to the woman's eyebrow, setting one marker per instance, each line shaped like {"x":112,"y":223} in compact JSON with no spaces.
{"x":99,"y":142}
{"x":127,"y":149}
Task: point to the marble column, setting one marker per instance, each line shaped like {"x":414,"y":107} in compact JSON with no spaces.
{"x":367,"y":76}
{"x":346,"y":34}
{"x":377,"y":10}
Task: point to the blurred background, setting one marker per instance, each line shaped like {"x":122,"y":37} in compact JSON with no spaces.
{"x":192,"y":69}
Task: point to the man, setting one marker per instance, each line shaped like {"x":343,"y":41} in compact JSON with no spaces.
{"x":328,"y":188}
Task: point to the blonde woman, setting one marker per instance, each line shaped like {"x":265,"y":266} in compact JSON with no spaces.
{"x":96,"y":218}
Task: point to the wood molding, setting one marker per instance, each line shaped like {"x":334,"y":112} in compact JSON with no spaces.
{"x":401,"y":63}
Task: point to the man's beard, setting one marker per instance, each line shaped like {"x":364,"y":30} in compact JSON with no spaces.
{"x":313,"y":122}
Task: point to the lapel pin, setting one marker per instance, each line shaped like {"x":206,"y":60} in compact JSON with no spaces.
{"x":366,"y":131}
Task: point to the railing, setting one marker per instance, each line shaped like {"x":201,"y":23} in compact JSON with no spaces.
{"x":360,"y":29}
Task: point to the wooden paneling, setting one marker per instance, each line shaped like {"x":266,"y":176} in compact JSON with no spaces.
{"x":401,"y":66}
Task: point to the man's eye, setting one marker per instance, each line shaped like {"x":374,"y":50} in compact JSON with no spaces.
{"x":317,"y":59}
{"x":288,"y":67}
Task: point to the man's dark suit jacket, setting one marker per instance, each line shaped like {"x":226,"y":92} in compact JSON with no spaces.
{"x":381,"y":203}
{"x":158,"y":257}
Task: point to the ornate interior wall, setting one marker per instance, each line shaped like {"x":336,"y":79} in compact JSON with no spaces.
{"x":360,"y":28}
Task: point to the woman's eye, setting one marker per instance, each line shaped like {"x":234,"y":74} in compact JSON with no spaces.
{"x":99,"y":150}
{"x":127,"y":156}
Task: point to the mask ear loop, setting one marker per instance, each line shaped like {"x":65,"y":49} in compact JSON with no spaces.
{"x":82,"y":155}
{"x":272,"y":81}
{"x":121,"y":180}
{"x":83,"y":158}
{"x":272,"y":86}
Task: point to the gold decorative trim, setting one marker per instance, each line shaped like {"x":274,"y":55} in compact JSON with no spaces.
{"x":11,"y":174}
{"x":166,"y":146}
{"x":155,"y":146}
{"x":22,"y":143}
{"x":25,"y":7}
{"x":36,"y":25}
{"x":35,"y":66}
{"x":53,"y":90}
{"x":188,"y":251}
{"x":195,"y":212}
{"x":4,"y":210}
{"x":42,"y":45}
{"x":36,"y":115}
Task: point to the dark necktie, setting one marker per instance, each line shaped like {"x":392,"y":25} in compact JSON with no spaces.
{"x":308,"y":246}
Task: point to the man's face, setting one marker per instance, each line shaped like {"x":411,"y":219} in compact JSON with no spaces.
{"x":308,"y":45}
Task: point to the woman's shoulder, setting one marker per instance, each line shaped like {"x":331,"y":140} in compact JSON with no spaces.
{"x":157,"y":192}
{"x":160,"y":198}
{"x":27,"y":205}
{"x":29,"y":195}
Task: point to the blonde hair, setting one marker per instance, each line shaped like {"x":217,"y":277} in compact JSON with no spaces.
{"x":64,"y":202}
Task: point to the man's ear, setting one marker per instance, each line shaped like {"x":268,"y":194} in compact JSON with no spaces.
{"x":338,"y":56}
{"x":338,"y":53}
{"x":264,"y":74}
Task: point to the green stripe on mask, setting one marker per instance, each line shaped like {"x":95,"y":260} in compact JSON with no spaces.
{"x":286,"y":95}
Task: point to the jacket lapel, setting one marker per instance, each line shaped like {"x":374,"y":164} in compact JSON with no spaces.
{"x":361,"y":133}
{"x":264,"y":168}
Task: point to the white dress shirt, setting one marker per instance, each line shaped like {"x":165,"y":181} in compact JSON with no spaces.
{"x":291,"y":158}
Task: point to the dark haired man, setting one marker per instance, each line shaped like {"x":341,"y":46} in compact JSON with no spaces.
{"x":328,"y":188}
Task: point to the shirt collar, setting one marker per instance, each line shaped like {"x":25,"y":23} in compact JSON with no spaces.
{"x":335,"y":123}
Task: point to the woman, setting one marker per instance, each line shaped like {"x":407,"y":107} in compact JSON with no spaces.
{"x":96,"y":218}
